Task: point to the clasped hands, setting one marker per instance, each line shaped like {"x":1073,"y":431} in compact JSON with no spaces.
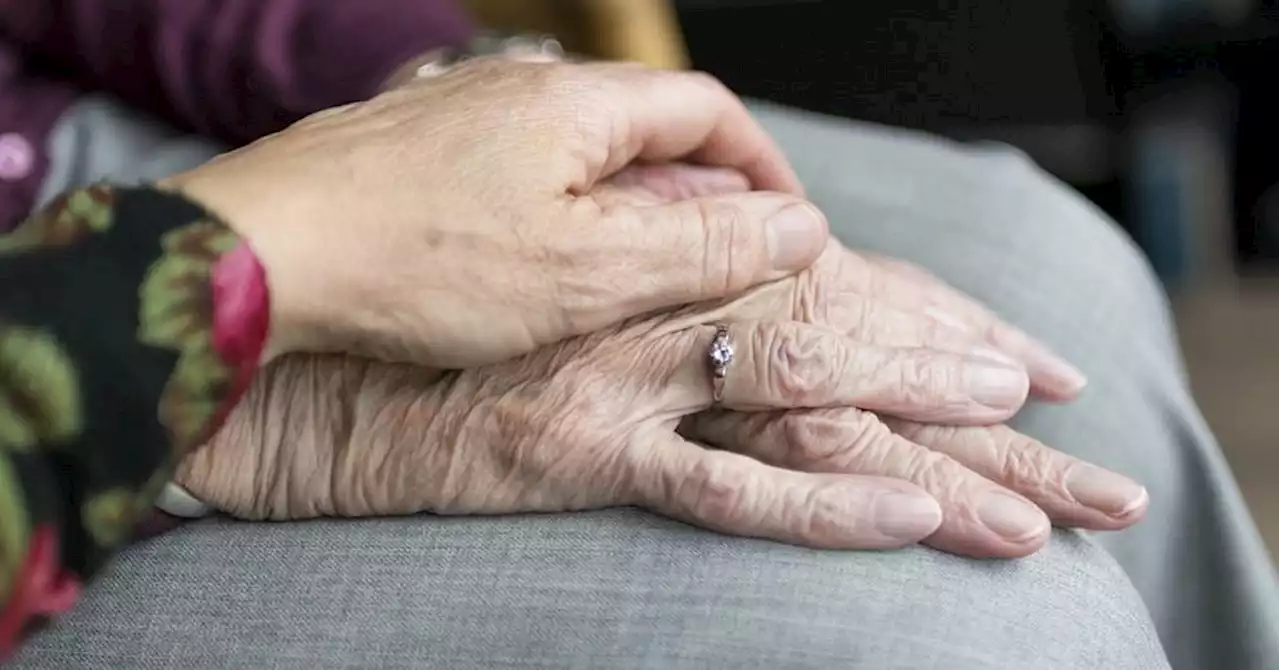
{"x":533,"y":241}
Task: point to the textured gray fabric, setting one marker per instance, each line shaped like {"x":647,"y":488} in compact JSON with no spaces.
{"x":623,"y":589}
{"x":614,"y":589}
{"x":992,"y":224}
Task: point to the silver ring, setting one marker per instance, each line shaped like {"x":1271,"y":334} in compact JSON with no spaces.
{"x":719,"y":358}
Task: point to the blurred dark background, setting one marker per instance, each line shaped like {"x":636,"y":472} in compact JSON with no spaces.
{"x":1163,"y":112}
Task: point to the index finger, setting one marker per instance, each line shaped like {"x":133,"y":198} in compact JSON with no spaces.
{"x":663,"y":115}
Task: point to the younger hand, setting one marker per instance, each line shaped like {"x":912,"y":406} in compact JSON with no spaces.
{"x":451,"y":221}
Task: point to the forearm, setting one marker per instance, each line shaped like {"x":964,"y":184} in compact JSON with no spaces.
{"x":305,"y":440}
{"x":234,"y":69}
{"x":129,"y":323}
{"x":274,"y":456}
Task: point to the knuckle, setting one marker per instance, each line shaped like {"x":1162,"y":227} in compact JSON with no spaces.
{"x":833,"y":440}
{"x":1022,"y":459}
{"x":865,"y":439}
{"x":716,"y":489}
{"x":929,"y":379}
{"x":937,"y":473}
{"x":811,"y":439}
{"x":808,"y":506}
{"x":733,"y":247}
{"x":798,"y":368}
{"x":809,"y":514}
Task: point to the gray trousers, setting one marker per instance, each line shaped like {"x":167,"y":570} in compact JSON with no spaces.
{"x":1191,"y":587}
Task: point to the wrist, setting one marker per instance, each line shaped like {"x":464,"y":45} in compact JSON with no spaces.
{"x":384,"y":437}
{"x":277,"y":454}
{"x":249,"y":282}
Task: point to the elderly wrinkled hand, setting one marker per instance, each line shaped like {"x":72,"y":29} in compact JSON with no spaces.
{"x":592,"y":422}
{"x":998,"y":488}
{"x":584,"y":424}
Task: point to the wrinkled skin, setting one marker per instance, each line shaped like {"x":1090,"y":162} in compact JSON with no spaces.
{"x":596,"y":421}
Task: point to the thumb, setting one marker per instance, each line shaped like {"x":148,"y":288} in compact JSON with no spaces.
{"x":719,"y":246}
{"x":737,"y":495}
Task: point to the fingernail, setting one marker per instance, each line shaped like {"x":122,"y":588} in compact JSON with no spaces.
{"x":1070,"y":379}
{"x":1010,"y":518}
{"x":1050,"y":370}
{"x":1104,"y":490}
{"x":907,"y":517}
{"x":997,"y":386}
{"x":796,"y":235}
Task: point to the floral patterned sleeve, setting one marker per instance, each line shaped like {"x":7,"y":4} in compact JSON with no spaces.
{"x":130,"y":322}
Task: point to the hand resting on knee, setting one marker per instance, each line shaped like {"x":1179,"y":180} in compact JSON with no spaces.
{"x":876,"y":458}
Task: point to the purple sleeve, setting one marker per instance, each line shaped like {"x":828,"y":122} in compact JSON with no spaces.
{"x":233,"y":69}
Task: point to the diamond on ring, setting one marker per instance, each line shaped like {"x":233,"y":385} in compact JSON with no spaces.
{"x":720,"y":356}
